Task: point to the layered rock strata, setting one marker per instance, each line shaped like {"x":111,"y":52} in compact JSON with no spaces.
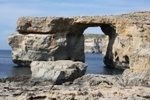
{"x":58,"y":38}
{"x":46,"y":47}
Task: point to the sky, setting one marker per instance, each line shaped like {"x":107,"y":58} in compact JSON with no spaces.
{"x":11,"y":10}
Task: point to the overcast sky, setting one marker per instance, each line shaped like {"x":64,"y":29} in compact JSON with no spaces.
{"x":10,"y":10}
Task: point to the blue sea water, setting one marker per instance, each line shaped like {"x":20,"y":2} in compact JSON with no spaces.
{"x":8,"y":68}
{"x":97,"y":66}
{"x":94,"y":61}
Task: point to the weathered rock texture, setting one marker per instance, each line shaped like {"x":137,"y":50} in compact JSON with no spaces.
{"x":57,"y":71}
{"x":46,"y":47}
{"x":57,"y":38}
{"x":88,"y":87}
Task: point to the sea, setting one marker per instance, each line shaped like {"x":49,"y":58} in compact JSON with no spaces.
{"x":94,"y":61}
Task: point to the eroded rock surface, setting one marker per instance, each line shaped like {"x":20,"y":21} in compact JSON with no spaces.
{"x":88,"y":87}
{"x":57,"y":71}
{"x":45,"y":47}
{"x":58,"y":38}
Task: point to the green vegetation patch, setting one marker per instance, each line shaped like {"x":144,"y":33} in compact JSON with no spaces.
{"x":88,"y":35}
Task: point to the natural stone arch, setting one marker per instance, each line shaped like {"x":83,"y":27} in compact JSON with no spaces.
{"x":44,"y":38}
{"x":63,"y":39}
{"x":110,"y":30}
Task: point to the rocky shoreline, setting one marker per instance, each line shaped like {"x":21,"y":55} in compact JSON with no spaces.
{"x":43,"y":42}
{"x":87,"y":87}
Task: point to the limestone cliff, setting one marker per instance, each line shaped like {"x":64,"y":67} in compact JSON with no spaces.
{"x":58,"y":38}
{"x":95,"y":43}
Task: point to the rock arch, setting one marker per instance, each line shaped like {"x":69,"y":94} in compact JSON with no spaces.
{"x":110,"y":30}
{"x":56,"y":38}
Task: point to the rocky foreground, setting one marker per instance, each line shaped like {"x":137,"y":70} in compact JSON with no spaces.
{"x":87,"y":87}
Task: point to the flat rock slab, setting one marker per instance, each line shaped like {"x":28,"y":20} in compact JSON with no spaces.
{"x":58,"y":71}
{"x":43,"y":24}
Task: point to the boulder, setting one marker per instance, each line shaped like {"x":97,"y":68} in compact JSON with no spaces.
{"x":136,"y":78}
{"x":57,"y":71}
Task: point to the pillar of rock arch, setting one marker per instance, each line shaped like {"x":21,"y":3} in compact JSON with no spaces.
{"x":57,"y":38}
{"x":47,"y":39}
